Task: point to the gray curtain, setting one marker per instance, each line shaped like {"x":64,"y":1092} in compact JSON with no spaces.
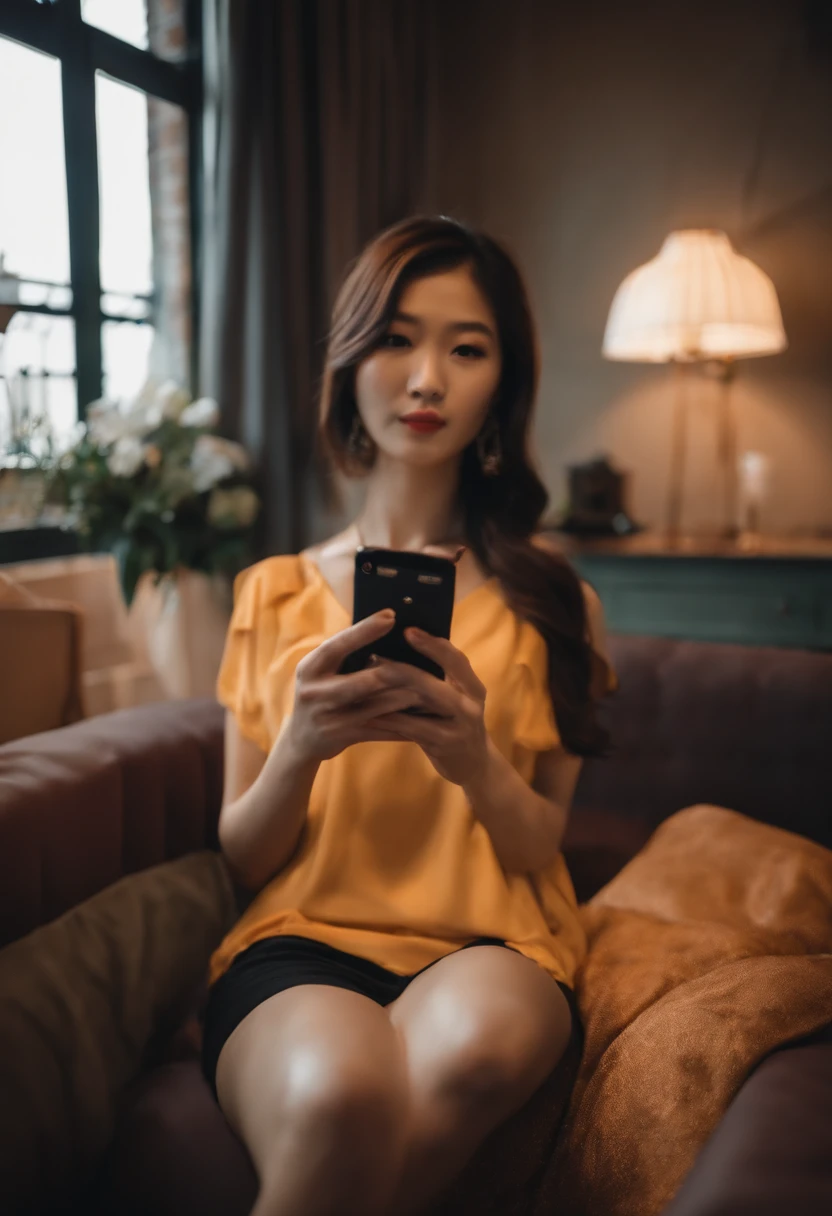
{"x":315,"y":137}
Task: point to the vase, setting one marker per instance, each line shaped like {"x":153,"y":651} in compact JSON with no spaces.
{"x":180,"y":624}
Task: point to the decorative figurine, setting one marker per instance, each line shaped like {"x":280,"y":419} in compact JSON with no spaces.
{"x":596,"y":507}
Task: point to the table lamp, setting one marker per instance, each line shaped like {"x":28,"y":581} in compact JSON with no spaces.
{"x":697,"y":300}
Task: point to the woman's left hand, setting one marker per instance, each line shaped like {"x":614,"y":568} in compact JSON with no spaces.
{"x":455,"y":742}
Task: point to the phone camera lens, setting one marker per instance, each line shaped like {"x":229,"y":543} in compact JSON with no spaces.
{"x":367,"y":567}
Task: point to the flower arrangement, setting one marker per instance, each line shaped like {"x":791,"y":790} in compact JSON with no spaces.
{"x":149,"y":481}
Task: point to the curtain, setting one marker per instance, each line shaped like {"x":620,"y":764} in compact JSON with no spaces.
{"x":316,"y":129}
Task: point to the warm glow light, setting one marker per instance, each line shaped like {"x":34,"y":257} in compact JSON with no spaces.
{"x":697,"y":299}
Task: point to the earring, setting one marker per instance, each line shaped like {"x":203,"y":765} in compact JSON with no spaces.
{"x":491,"y":461}
{"x":359,"y":442}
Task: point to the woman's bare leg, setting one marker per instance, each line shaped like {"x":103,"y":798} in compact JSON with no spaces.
{"x":313,"y":1081}
{"x":482,"y":1029}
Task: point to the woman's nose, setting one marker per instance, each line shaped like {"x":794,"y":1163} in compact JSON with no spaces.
{"x":426,"y":381}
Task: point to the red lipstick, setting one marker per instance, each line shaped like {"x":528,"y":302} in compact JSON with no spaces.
{"x":424,"y":421}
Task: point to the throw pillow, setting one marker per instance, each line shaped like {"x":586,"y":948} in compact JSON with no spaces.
{"x":82,"y":1002}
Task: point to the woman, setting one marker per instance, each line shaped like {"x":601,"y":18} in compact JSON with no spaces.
{"x":357,"y":1042}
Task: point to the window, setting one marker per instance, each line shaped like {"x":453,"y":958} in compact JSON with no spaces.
{"x":100,"y":107}
{"x":125,"y":19}
{"x":37,"y":357}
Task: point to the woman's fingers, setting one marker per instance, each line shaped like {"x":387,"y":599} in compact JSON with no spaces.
{"x":344,"y":691}
{"x":330,"y":654}
{"x":390,"y":702}
{"x":372,"y":732}
{"x":453,"y":662}
{"x":433,"y":693}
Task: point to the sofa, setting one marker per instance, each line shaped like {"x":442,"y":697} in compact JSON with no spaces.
{"x":87,"y":805}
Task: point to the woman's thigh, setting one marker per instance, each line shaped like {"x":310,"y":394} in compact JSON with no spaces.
{"x":309,"y":1056}
{"x":481,"y":1025}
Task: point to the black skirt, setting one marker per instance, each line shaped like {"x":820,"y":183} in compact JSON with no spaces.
{"x":283,"y":961}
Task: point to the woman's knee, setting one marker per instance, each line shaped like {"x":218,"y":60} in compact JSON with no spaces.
{"x":322,"y":1060}
{"x":475,"y":1048}
{"x":346,"y":1118}
{"x":351,"y":1072}
{"x":359,"y":1106}
{"x":491,"y":1060}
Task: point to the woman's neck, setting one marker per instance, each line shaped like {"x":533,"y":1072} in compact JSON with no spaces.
{"x":388,"y":535}
{"x":407,"y":508}
{"x":410,"y":521}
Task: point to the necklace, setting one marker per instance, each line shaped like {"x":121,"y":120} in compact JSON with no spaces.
{"x":361,"y":545}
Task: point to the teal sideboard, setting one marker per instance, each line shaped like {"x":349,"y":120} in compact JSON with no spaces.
{"x":774,"y":592}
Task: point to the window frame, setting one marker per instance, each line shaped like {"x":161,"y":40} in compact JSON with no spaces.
{"x":57,"y":28}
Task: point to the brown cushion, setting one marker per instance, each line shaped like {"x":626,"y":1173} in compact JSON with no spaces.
{"x":83,"y":1002}
{"x":708,"y":951}
{"x":40,"y":657}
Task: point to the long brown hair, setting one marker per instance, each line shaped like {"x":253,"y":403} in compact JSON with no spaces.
{"x":502,"y":512}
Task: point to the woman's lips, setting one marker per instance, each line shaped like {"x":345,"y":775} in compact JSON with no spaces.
{"x":422,"y":425}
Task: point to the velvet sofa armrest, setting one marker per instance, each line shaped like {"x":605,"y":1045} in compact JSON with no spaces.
{"x":83,"y":805}
{"x":772,"y":1151}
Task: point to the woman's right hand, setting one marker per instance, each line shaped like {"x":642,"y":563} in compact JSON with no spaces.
{"x":333,"y":711}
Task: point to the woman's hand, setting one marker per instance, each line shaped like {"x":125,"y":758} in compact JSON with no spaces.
{"x":332,"y":711}
{"x":455,"y":742}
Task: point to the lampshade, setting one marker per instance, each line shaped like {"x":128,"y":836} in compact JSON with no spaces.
{"x":697,"y":299}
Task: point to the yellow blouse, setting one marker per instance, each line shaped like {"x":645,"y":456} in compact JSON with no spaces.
{"x":393,"y":866}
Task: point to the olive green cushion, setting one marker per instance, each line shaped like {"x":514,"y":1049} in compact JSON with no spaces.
{"x":83,"y":1000}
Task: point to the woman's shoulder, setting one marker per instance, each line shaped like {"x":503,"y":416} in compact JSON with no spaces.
{"x":277,"y":579}
{"x":278,"y":573}
{"x":264,"y":585}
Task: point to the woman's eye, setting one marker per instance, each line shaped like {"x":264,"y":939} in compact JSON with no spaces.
{"x":476,"y":351}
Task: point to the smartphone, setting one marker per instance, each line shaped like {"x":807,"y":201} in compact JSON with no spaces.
{"x":419,"y":587}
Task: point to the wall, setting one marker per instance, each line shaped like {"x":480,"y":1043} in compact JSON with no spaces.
{"x":582,"y":135}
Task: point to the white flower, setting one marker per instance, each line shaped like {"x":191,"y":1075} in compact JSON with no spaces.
{"x":127,"y":457}
{"x":105,"y":422}
{"x":171,"y":400}
{"x":213,"y":459}
{"x":204,"y":412}
{"x":142,"y":417}
{"x":235,"y":508}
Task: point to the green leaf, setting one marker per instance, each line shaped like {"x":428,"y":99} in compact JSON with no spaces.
{"x":132,"y":561}
{"x":166,"y":539}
